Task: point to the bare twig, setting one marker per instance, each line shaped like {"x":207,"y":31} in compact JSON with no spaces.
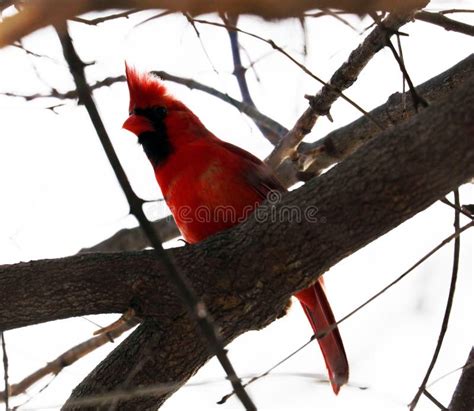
{"x":434,"y":400}
{"x":5,"y":396}
{"x":343,"y":78}
{"x":193,"y":303}
{"x":449,"y":304}
{"x":240,"y":72}
{"x":69,"y":357}
{"x":439,"y":19}
{"x":450,"y":11}
{"x":328,"y":329}
{"x":99,"y":20}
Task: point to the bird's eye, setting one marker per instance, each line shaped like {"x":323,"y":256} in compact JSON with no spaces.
{"x":159,"y":111}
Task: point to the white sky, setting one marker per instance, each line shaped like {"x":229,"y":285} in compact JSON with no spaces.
{"x":59,"y":195}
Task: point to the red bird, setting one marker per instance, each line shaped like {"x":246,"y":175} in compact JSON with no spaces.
{"x":197,"y":171}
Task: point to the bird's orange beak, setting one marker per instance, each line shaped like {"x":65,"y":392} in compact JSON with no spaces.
{"x":137,"y":124}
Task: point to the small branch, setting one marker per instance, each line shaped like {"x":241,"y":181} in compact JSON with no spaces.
{"x":195,"y":306}
{"x":439,"y":19}
{"x":68,"y":358}
{"x":449,"y":304}
{"x":463,"y":397}
{"x":343,"y":78}
{"x":240,"y":72}
{"x":98,"y":20}
{"x":5,"y":396}
{"x":434,"y":400}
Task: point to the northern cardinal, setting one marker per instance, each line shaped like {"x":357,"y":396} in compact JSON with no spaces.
{"x":195,"y":170}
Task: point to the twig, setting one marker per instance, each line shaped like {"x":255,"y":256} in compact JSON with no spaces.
{"x":439,"y":19}
{"x":449,"y":304}
{"x":417,"y":99}
{"x":69,"y":357}
{"x":99,"y":20}
{"x":328,"y":329}
{"x":449,"y":11}
{"x":5,"y":396}
{"x":344,"y":77}
{"x":193,"y":303}
{"x":240,"y":72}
{"x":203,"y":47}
{"x":434,"y":400}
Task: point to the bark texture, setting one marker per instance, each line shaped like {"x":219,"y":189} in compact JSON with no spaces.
{"x":463,"y":397}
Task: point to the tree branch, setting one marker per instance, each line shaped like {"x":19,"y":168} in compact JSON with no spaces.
{"x":390,"y":179}
{"x":445,"y":22}
{"x":343,"y":78}
{"x":41,"y":13}
{"x":341,"y":143}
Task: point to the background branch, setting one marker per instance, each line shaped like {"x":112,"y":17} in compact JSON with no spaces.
{"x":445,"y":22}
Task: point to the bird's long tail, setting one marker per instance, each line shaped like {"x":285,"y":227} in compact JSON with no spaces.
{"x":316,"y":307}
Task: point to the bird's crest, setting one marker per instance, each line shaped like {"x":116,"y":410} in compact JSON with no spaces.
{"x":146,"y":90}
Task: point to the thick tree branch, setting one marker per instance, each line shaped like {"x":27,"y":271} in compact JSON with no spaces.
{"x":389,"y":180}
{"x":463,"y":397}
{"x":339,"y":144}
{"x":41,"y":13}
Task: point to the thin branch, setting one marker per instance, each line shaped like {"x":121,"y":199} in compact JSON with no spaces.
{"x":439,"y":19}
{"x":94,"y":22}
{"x":193,"y":303}
{"x":5,"y":395}
{"x":240,"y":75}
{"x":417,"y":99}
{"x":69,"y":357}
{"x":343,"y":78}
{"x":450,"y":11}
{"x":449,"y":304}
{"x":434,"y":400}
